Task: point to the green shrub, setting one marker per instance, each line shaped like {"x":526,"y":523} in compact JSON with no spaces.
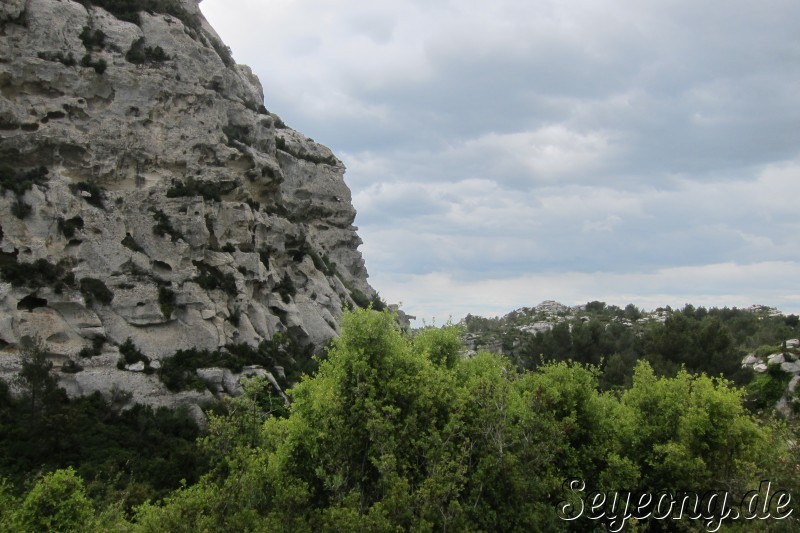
{"x":223,"y":52}
{"x":19,"y":183}
{"x":167,"y":299}
{"x":99,"y":66}
{"x":768,"y":387}
{"x":140,"y":54}
{"x":66,"y":60}
{"x":212,"y":278}
{"x":263,"y":255}
{"x":209,"y":190}
{"x":767,"y":349}
{"x":321,"y":263}
{"x":317,"y":260}
{"x":236,"y":133}
{"x":92,"y":39}
{"x":85,"y":353}
{"x":179,"y":372}
{"x":57,"y":502}
{"x":156,"y":54}
{"x":235,"y":317}
{"x":68,"y":227}
{"x":40,"y":273}
{"x":359,"y":298}
{"x":125,"y":455}
{"x":8,"y":503}
{"x":443,"y":345}
{"x":228,"y":284}
{"x":130,"y":355}
{"x":164,"y":226}
{"x":20,"y":208}
{"x":71,"y":366}
{"x":95,"y":290}
{"x":95,"y":349}
{"x":377,"y":303}
{"x":286,"y":288}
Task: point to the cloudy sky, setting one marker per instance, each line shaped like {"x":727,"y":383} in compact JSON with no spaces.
{"x":503,"y":153}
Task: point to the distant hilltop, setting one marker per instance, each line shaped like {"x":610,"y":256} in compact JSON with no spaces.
{"x":507,"y":334}
{"x":550,"y":312}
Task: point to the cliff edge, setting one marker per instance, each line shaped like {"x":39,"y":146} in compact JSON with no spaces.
{"x":148,"y":194}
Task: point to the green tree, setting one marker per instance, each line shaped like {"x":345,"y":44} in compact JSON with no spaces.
{"x":632,"y":312}
{"x":8,"y":506}
{"x":57,"y":502}
{"x":693,"y":432}
{"x":441,"y":345}
{"x":617,"y":372}
{"x":38,"y":384}
{"x":391,"y":434}
{"x":588,"y":339}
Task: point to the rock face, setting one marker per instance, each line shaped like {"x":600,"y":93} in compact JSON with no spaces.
{"x":788,"y":361}
{"x":147,"y":193}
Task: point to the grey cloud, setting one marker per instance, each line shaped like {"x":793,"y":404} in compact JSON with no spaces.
{"x":556,"y":142}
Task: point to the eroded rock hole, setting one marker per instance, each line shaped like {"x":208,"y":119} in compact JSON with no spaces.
{"x":31,"y":302}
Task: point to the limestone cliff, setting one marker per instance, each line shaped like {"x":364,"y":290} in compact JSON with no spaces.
{"x":147,"y":193}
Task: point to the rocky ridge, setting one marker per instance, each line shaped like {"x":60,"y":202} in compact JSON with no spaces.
{"x":148,"y":194}
{"x":549,"y":313}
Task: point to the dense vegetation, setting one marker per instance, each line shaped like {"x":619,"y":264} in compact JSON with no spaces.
{"x":122,"y":457}
{"x":395,"y":433}
{"x":712,"y":340}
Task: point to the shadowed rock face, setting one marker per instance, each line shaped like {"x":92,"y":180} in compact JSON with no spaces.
{"x":175,"y":209}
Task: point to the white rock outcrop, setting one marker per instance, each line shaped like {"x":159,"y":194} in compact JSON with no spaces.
{"x":176,"y":210}
{"x":787,"y":362}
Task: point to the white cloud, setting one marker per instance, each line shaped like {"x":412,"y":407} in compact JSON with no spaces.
{"x":502,"y":153}
{"x":545,"y":154}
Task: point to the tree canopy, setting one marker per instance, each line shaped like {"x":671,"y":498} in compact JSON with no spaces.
{"x":393,"y":433}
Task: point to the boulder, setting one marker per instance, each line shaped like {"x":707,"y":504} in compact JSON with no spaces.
{"x":750,"y":360}
{"x":776,"y":359}
{"x":791,"y":367}
{"x":138,"y":366}
{"x":213,"y":377}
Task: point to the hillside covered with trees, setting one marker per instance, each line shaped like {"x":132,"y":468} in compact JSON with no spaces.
{"x":397,"y":432}
{"x":711,"y":340}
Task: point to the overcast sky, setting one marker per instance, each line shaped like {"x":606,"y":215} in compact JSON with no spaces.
{"x":506,"y":152}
